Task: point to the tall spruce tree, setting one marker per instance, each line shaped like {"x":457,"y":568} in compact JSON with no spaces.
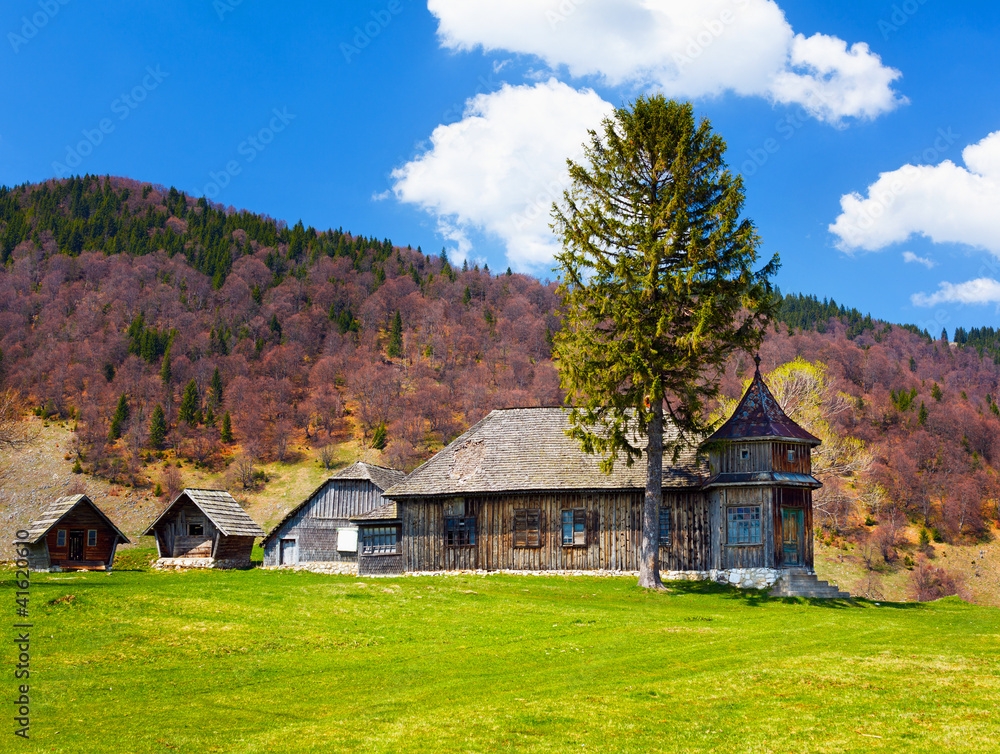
{"x":216,"y":386}
{"x":227,"y":429}
{"x":157,"y":428}
{"x":658,"y":289}
{"x":190,"y":406}
{"x":394,"y":349}
{"x":119,"y":421}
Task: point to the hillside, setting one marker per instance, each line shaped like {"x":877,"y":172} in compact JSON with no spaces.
{"x":186,"y":343}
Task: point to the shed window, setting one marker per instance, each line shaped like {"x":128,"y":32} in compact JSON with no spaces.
{"x":91,"y":537}
{"x":664,"y":526}
{"x":459,"y":531}
{"x":744,"y":453}
{"x":574,"y":527}
{"x":528,"y":527}
{"x":743,"y":525}
{"x":196,"y":529}
{"x":791,"y":455}
{"x":61,"y":538}
{"x":379,"y":540}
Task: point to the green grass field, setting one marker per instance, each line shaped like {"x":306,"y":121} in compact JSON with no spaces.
{"x":255,"y":661}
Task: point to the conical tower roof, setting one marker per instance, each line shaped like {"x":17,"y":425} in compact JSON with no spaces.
{"x":759,"y":415}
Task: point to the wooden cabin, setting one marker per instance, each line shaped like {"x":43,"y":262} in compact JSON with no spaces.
{"x":379,"y":541}
{"x":72,"y":534}
{"x":516,"y":493}
{"x":320,"y":529}
{"x":204,"y":528}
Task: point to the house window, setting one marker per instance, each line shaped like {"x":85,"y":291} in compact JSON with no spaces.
{"x":379,"y":540}
{"x":744,"y":453}
{"x":460,"y":531}
{"x":196,"y":529}
{"x":791,"y":455}
{"x":574,"y":527}
{"x":743,"y":525}
{"x":91,"y":537}
{"x":61,"y":538}
{"x":528,"y":527}
{"x":664,"y":527}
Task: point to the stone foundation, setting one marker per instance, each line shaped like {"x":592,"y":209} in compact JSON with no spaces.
{"x":330,"y":567}
{"x":177,"y":564}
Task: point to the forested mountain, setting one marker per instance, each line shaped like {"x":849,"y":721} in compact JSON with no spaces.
{"x":160,"y":323}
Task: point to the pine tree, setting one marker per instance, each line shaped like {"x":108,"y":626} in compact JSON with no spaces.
{"x":922,"y":414}
{"x":658,"y":290}
{"x":395,"y":347}
{"x":190,"y":404}
{"x":216,"y":387}
{"x":227,"y":429}
{"x":157,"y":428}
{"x":119,"y":420}
{"x":165,"y":366}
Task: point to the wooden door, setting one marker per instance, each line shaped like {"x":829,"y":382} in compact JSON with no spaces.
{"x":75,"y":544}
{"x":289,"y":552}
{"x":792,"y":536}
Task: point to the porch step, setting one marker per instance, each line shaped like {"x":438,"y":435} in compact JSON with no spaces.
{"x":799,"y":582}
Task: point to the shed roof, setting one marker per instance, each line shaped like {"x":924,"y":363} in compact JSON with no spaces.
{"x":386,"y":512}
{"x":381,"y":476}
{"x":527,"y":449}
{"x":222,"y":510}
{"x":58,"y":510}
{"x":758,"y":416}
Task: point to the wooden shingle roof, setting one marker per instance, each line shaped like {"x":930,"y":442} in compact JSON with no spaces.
{"x":760,"y":416}
{"x":222,"y":510}
{"x":381,"y":476}
{"x":385,"y":512}
{"x":527,"y":449}
{"x":61,"y":506}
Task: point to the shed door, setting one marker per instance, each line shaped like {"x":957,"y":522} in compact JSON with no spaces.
{"x":289,"y":552}
{"x":791,"y":535}
{"x":76,"y":544}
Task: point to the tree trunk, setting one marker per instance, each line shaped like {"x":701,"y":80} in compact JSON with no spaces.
{"x":649,"y":552}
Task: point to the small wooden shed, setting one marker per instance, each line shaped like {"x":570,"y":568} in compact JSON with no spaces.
{"x":205,"y":526}
{"x":380,"y":551}
{"x":320,"y":529}
{"x":72,"y":534}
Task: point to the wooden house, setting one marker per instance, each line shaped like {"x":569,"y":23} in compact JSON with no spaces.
{"x":205,"y":528}
{"x":72,"y":534}
{"x":379,"y":541}
{"x":320,"y":528}
{"x":515,"y":492}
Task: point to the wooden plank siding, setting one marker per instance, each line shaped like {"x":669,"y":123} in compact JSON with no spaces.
{"x":315,"y":525}
{"x":84,"y":518}
{"x":761,"y":455}
{"x":745,"y":556}
{"x":613,"y":526}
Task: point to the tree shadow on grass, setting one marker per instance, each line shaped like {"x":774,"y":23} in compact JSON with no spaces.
{"x":759,"y":598}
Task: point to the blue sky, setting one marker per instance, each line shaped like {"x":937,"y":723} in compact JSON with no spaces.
{"x":862,"y":130}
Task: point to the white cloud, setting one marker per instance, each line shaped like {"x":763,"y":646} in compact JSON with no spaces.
{"x":978,"y":291}
{"x":944,"y":202}
{"x":500,"y":168}
{"x":687,"y":49}
{"x":909,"y":256}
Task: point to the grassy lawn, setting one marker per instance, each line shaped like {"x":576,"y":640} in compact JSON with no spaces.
{"x":261,"y":661}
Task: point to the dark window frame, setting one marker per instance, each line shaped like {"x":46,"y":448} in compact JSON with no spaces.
{"x":61,"y":538}
{"x":576,"y":519}
{"x":200,"y":525}
{"x":460,"y":531}
{"x":744,"y":525}
{"x":91,"y":537}
{"x":663,"y":532}
{"x":527,"y":528}
{"x":380,"y":540}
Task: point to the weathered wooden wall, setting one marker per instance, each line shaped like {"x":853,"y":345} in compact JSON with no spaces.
{"x":234,"y":548}
{"x":784,"y":497}
{"x":173,"y":540}
{"x":613,"y":522}
{"x":762,"y":455}
{"x":743,"y":556}
{"x":315,"y":525}
{"x":83,"y":517}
